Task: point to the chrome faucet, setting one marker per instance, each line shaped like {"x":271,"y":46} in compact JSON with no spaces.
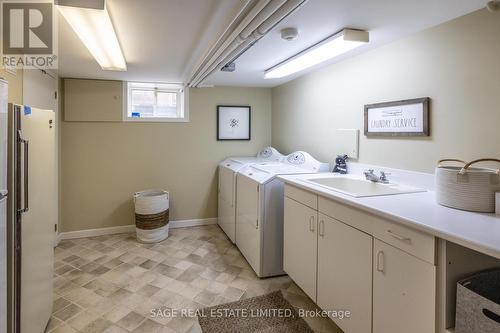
{"x":371,"y":176}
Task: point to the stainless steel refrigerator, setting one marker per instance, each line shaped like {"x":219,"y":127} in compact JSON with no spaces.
{"x":3,"y":205}
{"x":31,"y":216}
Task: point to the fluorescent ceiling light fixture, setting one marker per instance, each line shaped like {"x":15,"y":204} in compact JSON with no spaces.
{"x":329,"y":48}
{"x":95,"y":30}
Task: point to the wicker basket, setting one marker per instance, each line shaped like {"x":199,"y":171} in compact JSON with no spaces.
{"x":151,"y":215}
{"x":467,"y":188}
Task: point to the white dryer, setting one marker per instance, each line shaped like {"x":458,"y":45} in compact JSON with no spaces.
{"x":228,"y":169}
{"x":259,"y":213}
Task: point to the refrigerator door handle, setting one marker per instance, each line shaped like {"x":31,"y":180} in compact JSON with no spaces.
{"x":26,"y":173}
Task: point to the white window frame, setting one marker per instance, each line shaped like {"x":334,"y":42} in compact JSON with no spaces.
{"x":182,"y":101}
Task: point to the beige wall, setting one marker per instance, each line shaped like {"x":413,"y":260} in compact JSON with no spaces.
{"x":15,"y":85}
{"x":456,"y":64}
{"x":103,"y":164}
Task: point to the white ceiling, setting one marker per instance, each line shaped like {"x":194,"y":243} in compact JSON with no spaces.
{"x":163,"y":39}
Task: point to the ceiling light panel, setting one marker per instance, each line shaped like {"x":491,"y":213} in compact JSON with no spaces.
{"x":333,"y":46}
{"x":96,"y":31}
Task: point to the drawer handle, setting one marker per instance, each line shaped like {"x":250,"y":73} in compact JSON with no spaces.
{"x":321,"y":228}
{"x":311,"y":223}
{"x":399,"y":237}
{"x":380,"y":261}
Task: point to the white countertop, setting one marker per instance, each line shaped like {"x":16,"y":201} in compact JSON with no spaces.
{"x":477,"y":231}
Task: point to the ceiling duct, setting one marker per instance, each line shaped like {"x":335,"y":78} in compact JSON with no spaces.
{"x":258,"y":21}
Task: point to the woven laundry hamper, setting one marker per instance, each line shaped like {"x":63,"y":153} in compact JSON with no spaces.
{"x":478,"y":303}
{"x":151,"y":215}
{"x":467,"y":188}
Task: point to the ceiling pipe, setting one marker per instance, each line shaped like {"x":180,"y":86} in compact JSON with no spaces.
{"x":261,"y":16}
{"x":244,"y":22}
{"x":271,"y":7}
{"x":208,"y":54}
{"x":241,"y":45}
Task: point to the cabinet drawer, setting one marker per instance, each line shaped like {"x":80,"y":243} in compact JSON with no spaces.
{"x":304,"y":197}
{"x":412,"y":241}
{"x":353,"y":217}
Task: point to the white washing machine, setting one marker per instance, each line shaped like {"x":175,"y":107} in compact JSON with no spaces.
{"x":227,"y":185}
{"x":259,"y":213}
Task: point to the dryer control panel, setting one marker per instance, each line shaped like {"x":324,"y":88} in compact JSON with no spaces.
{"x":304,"y":160}
{"x":270,"y":153}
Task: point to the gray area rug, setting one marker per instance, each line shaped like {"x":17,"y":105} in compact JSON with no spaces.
{"x":269,"y":313}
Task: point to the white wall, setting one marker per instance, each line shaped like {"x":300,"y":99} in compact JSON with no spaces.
{"x":456,"y":64}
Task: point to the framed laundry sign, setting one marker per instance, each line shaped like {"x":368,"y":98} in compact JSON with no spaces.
{"x":233,"y":122}
{"x":400,"y":118}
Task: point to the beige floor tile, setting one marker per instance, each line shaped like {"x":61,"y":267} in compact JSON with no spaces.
{"x":148,"y":290}
{"x":181,"y":325}
{"x":205,"y":297}
{"x":97,"y":326}
{"x":131,"y":321}
{"x":111,"y":283}
{"x":216,"y":287}
{"x":68,"y":312}
{"x":232,"y":294}
{"x":115,"y":329}
{"x":201,"y":283}
{"x":53,"y":324}
{"x":148,"y":326}
{"x":84,"y":297}
{"x":117,"y":313}
{"x":145,"y":308}
{"x":59,"y":304}
{"x":83,"y":319}
{"x":183,"y":264}
{"x":64,"y":329}
{"x":161,"y":281}
{"x":161,"y":315}
{"x":189,"y":291}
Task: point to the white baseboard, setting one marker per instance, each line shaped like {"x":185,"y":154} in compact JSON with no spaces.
{"x":129,"y":228}
{"x":192,"y":223}
{"x":57,"y":239}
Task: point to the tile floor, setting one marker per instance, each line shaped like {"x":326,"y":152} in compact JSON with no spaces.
{"x":111,"y":283}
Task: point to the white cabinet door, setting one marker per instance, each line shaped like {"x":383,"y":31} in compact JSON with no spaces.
{"x":345,"y":273}
{"x":226,"y":209}
{"x":248,"y":228}
{"x":404,"y":292}
{"x":300,"y":245}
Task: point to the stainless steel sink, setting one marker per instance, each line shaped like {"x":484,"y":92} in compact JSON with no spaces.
{"x":361,"y":188}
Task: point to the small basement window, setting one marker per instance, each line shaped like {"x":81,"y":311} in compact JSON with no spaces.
{"x":156,"y":102}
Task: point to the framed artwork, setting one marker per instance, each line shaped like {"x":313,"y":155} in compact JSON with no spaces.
{"x":400,"y":118}
{"x":233,"y":122}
